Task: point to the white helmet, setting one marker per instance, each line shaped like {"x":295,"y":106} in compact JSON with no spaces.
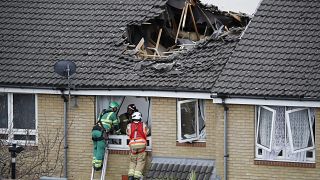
{"x":137,"y":116}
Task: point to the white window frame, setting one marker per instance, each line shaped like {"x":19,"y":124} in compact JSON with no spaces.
{"x":124,"y":142}
{"x":258,"y":125}
{"x":10,"y":131}
{"x":290,"y":130}
{"x":121,"y":141}
{"x":179,"y":134}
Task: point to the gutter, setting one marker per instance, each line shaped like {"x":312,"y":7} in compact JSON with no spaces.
{"x":268,"y":100}
{"x":156,"y":92}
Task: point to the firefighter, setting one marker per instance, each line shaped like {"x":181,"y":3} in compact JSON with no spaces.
{"x":125,"y":118}
{"x":107,"y":120}
{"x":137,"y":132}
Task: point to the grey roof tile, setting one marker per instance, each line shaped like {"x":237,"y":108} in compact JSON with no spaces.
{"x":180,"y":168}
{"x":278,"y":55}
{"x":38,"y":33}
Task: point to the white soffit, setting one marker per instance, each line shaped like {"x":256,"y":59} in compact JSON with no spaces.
{"x":268,"y":102}
{"x":142,"y":93}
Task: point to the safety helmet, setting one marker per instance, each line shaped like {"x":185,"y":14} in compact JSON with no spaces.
{"x":132,"y":107}
{"x":136,"y":116}
{"x":114,"y":104}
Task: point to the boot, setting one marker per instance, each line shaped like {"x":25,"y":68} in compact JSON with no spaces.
{"x":131,"y":178}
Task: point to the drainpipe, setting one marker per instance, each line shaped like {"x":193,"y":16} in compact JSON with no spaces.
{"x":226,"y":155}
{"x":65,"y":165}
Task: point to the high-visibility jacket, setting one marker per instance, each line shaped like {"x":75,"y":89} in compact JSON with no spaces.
{"x":137,"y":132}
{"x":109,"y":120}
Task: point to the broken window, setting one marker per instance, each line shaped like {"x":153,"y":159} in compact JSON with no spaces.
{"x":120,"y":141}
{"x":285,"y":133}
{"x":182,"y":24}
{"x":191,"y":120}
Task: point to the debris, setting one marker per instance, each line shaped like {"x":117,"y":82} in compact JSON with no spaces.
{"x":182,"y":25}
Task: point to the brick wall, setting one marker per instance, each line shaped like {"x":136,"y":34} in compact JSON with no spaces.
{"x":80,"y":120}
{"x":241,"y":149}
{"x":164,"y":131}
{"x":164,"y":124}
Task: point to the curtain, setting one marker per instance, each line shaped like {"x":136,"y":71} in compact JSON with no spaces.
{"x":281,"y":148}
{"x":265,"y":124}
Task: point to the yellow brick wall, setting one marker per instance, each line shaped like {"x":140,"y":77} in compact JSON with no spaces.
{"x":50,"y":130}
{"x":80,"y":122}
{"x":241,"y":149}
{"x":164,"y":124}
{"x":164,"y":131}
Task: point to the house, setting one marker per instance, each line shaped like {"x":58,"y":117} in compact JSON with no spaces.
{"x":270,"y":89}
{"x":174,"y":62}
{"x":164,"y":56}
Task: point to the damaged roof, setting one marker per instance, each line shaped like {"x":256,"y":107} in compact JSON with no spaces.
{"x":279,"y":53}
{"x":35,"y":34}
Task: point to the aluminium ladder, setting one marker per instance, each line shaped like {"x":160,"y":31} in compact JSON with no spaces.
{"x":104,"y":166}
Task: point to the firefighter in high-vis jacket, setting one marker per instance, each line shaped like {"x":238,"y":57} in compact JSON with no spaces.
{"x":137,"y":132}
{"x":107,"y":120}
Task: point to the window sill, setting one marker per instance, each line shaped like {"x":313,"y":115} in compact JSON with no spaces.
{"x":193,"y":144}
{"x":285,"y":164}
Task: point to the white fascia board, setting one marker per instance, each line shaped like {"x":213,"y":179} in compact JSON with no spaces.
{"x":267,"y":102}
{"x":172,"y":94}
{"x":142,"y":93}
{"x":29,"y":91}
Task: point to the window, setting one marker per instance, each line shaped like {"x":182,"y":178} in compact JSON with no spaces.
{"x":120,"y":142}
{"x":285,"y":134}
{"x":300,"y":130}
{"x":266,"y":119}
{"x":191,"y":123}
{"x":18,"y":118}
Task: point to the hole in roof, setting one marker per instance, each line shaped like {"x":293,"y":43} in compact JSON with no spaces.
{"x":180,"y":27}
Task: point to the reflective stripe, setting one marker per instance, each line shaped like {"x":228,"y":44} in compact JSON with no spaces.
{"x":98,"y":163}
{"x":137,"y":174}
{"x":138,"y":141}
{"x":108,"y":117}
{"x":131,"y":172}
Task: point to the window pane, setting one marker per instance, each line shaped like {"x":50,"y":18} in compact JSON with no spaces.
{"x":25,"y":137}
{"x":4,"y":136}
{"x":3,"y":110}
{"x":188,"y":120}
{"x":300,"y":129}
{"x":265,"y":127}
{"x":23,"y":111}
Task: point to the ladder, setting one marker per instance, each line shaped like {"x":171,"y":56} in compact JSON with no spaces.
{"x":104,"y":165}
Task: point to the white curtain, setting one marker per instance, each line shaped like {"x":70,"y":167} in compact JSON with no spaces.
{"x":265,"y":125}
{"x":280,"y":141}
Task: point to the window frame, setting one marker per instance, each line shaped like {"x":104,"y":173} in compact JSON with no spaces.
{"x":179,"y":121}
{"x":286,"y":156}
{"x":287,"y":118}
{"x":10,"y":131}
{"x":272,"y":126}
{"x":121,"y":142}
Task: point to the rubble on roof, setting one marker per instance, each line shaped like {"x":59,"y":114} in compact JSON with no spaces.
{"x":182,"y":25}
